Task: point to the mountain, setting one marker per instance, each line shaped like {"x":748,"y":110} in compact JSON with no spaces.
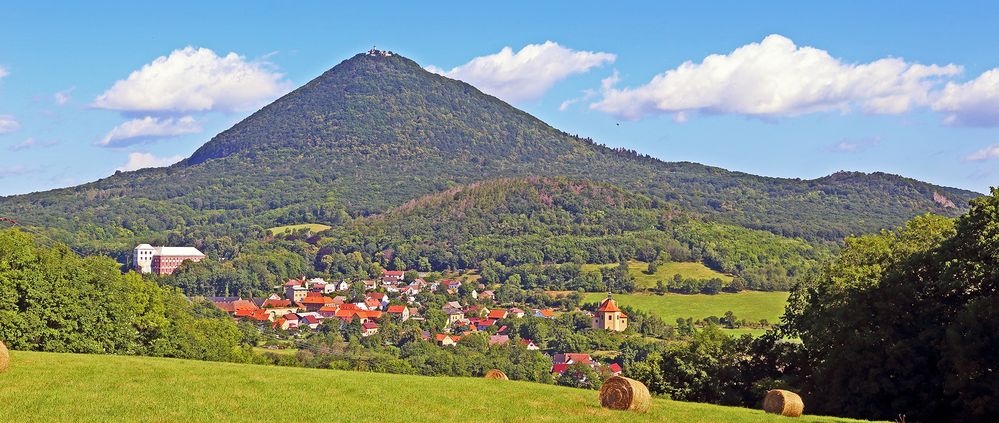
{"x":377,"y":131}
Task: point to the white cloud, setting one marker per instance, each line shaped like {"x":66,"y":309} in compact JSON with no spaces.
{"x":855,"y":145}
{"x":988,"y":153}
{"x":148,"y":128}
{"x":31,"y":143}
{"x":138,"y":161}
{"x":62,"y":97}
{"x":8,"y":124}
{"x":24,"y":145}
{"x":527,"y":74}
{"x":3,"y":72}
{"x":973,"y":103}
{"x":777,"y":78}
{"x":194,"y":80}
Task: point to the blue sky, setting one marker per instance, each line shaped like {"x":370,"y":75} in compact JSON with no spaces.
{"x":790,"y":89}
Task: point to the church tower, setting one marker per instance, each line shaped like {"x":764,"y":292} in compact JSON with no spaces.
{"x":609,"y":317}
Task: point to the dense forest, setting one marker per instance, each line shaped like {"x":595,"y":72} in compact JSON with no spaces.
{"x":528,"y":224}
{"x":376,"y":132}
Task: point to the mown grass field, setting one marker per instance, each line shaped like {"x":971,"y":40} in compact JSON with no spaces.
{"x":665,"y":272}
{"x":749,"y":305}
{"x":314,"y":227}
{"x":69,"y":387}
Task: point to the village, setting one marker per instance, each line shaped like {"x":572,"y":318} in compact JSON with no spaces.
{"x":305,"y":304}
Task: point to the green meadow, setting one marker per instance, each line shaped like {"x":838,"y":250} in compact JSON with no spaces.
{"x":50,"y":387}
{"x":749,"y":305}
{"x":314,"y":227}
{"x":665,"y":272}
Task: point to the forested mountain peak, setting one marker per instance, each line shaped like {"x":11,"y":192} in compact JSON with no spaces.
{"x":390,"y":104}
{"x":377,"y":131}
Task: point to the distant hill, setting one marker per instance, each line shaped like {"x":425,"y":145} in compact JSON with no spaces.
{"x":193,"y":391}
{"x":531,"y":221}
{"x":375,"y":132}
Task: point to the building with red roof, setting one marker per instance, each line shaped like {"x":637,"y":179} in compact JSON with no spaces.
{"x":369,"y":328}
{"x":399,"y":310}
{"x":609,"y":316}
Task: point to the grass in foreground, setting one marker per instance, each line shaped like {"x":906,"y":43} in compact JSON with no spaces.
{"x":71,"y":387}
{"x":665,"y":272}
{"x":314,"y":227}
{"x":749,"y":305}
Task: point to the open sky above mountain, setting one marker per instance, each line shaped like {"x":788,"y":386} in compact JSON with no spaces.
{"x":782,"y":90}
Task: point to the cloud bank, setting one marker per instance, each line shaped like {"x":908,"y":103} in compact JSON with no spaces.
{"x":194,"y":80}
{"x":138,"y":161}
{"x":147,"y":129}
{"x":8,"y":124}
{"x":988,"y":153}
{"x":776,"y":78}
{"x":527,"y":74}
{"x":973,"y":103}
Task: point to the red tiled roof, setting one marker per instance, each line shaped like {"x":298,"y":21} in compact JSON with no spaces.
{"x":616,"y":368}
{"x":497,"y":314}
{"x":608,"y":306}
{"x":393,"y":273}
{"x":318,"y":299}
{"x":396,"y":309}
{"x":261,"y":315}
{"x":370,"y":325}
{"x":574,"y":357}
{"x":547,"y":312}
{"x":269,"y":303}
{"x":559,"y":368}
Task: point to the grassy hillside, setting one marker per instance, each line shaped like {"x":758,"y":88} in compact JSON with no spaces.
{"x":749,"y":305}
{"x":665,"y":272}
{"x":67,"y":387}
{"x":314,"y":227}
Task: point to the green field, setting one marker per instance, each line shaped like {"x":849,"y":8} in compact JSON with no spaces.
{"x":749,"y":305}
{"x":72,"y":387}
{"x":314,"y":227}
{"x":665,"y":272}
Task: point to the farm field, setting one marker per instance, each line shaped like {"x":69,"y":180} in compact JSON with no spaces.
{"x":44,"y":387}
{"x":315,"y":227}
{"x":749,"y":305}
{"x":689,"y":270}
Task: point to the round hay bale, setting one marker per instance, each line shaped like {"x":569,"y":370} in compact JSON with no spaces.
{"x":621,"y":393}
{"x":4,"y":358}
{"x":496,"y":374}
{"x":785,"y":403}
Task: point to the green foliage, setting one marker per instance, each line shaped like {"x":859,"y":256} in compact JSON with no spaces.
{"x":54,"y":300}
{"x":904,"y":322}
{"x":524,"y":223}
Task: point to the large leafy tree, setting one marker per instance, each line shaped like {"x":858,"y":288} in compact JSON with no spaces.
{"x":51,"y":299}
{"x":905,"y":322}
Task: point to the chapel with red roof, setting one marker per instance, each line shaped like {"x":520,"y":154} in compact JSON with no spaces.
{"x":609,"y":316}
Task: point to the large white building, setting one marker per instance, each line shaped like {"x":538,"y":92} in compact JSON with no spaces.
{"x":163,"y":260}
